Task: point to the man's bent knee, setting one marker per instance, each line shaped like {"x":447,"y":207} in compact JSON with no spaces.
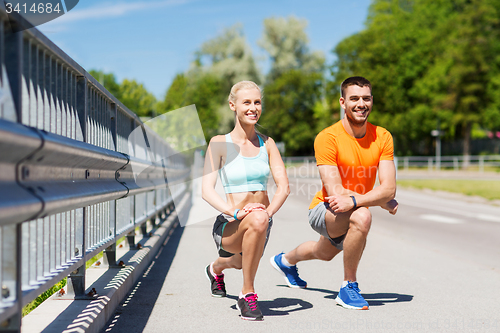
{"x":323,"y":250}
{"x":325,"y":256}
{"x":361,"y":219}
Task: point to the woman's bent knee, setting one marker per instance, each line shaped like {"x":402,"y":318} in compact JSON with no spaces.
{"x":258,"y":221}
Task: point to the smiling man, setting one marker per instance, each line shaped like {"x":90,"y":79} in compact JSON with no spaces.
{"x":348,"y":154}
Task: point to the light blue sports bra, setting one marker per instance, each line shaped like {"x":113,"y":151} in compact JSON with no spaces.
{"x":244,"y":174}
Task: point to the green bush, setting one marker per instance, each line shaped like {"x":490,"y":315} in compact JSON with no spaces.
{"x":39,"y":300}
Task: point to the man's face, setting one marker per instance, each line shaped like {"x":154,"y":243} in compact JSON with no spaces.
{"x":357,"y":103}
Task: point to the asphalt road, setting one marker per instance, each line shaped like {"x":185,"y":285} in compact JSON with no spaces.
{"x":434,"y":267}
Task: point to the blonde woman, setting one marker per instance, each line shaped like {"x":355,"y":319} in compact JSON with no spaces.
{"x":244,"y":159}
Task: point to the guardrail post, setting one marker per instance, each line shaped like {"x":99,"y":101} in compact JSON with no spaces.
{"x":11,"y":281}
{"x":131,"y":240}
{"x":406,"y":163}
{"x":109,"y":256}
{"x":455,"y":163}
{"x":481,"y":164}
{"x":76,"y":283}
{"x":14,"y":67}
{"x":82,"y":104}
{"x":429,"y":163}
{"x":163,"y":215}
{"x":11,"y":325}
{"x":76,"y":280}
{"x":144,"y":229}
{"x":113,"y":124}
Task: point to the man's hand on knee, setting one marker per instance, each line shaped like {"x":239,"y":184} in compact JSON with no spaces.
{"x":340,"y":203}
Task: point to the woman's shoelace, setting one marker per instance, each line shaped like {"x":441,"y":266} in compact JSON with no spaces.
{"x":252,"y":301}
{"x":220,"y":281}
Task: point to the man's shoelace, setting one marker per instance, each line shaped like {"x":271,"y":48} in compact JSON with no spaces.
{"x":353,"y":290}
{"x":294,"y":271}
{"x":220,"y":281}
{"x":252,"y":301}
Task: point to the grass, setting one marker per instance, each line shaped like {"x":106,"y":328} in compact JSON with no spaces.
{"x":40,"y":299}
{"x":483,"y":188}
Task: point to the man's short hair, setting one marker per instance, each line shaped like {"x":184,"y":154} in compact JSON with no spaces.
{"x":355,"y":81}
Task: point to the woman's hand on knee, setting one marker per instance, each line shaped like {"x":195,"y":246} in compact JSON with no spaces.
{"x":252,"y":207}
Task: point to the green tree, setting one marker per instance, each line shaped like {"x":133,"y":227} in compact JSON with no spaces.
{"x":176,"y":96}
{"x":219,"y":63}
{"x":286,"y":42}
{"x":229,"y":57}
{"x":295,"y":108}
{"x":204,"y":91}
{"x":470,"y":60}
{"x":429,"y":61}
{"x":135,"y":97}
{"x":291,"y":106}
{"x":132,"y":94}
{"x":108,"y":81}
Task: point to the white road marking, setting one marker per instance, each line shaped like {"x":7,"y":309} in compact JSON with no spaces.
{"x":486,"y":217}
{"x":440,"y":219}
{"x":479,"y":216}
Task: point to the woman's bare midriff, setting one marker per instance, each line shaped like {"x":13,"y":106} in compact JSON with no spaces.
{"x":239,"y":200}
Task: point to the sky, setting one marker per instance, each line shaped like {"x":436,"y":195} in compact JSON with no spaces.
{"x":152,"y":41}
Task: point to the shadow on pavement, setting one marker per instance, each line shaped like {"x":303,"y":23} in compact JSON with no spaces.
{"x":376,"y":299}
{"x":140,"y":304}
{"x":279,"y":307}
{"x":383,"y":298}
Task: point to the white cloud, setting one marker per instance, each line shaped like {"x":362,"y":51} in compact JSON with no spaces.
{"x":107,"y":10}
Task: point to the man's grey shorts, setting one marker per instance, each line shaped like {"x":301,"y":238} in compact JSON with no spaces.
{"x":317,"y":221}
{"x":218,"y":230}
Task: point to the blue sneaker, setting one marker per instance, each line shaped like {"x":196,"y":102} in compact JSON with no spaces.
{"x":350,"y":298}
{"x":290,"y":273}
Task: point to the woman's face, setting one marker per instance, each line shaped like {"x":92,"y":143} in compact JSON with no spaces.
{"x":248,"y":106}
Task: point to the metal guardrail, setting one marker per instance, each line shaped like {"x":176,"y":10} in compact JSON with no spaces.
{"x":68,"y":189}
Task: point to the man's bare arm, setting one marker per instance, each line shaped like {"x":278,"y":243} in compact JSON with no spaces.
{"x":383,"y":193}
{"x":339,"y":197}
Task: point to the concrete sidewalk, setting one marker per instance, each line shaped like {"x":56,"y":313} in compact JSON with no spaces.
{"x":411,"y":284}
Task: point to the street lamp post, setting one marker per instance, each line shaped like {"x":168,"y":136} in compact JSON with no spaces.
{"x":437,"y":133}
